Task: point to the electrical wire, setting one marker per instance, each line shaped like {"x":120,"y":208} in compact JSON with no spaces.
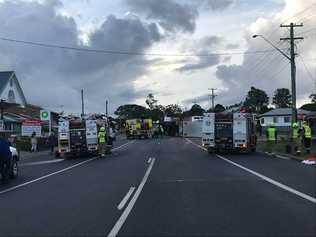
{"x":129,"y":52}
{"x":306,"y":68}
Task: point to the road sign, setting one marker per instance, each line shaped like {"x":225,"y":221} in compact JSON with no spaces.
{"x":45,"y":115}
{"x":31,"y":125}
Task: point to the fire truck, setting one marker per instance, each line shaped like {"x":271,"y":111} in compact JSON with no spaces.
{"x":139,"y":128}
{"x":77,"y":137}
{"x":229,"y":132}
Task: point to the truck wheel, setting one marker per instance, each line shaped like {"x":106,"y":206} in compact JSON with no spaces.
{"x":14,"y":169}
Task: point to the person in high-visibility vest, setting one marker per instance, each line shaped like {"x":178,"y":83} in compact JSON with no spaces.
{"x":295,"y":139}
{"x":102,"y":141}
{"x":271,"y":138}
{"x":307,"y":137}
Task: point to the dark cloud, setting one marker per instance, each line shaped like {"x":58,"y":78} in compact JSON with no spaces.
{"x":55,"y":77}
{"x":171,"y":15}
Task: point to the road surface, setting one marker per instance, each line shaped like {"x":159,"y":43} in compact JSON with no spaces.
{"x":161,"y":187}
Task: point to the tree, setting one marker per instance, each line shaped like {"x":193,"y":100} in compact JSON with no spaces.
{"x":219,"y":108}
{"x":282,"y":98}
{"x":313,"y":97}
{"x":309,"y":107}
{"x":196,"y":110}
{"x":256,"y":100}
{"x":151,"y":101}
{"x":173,"y":110}
{"x":131,"y":111}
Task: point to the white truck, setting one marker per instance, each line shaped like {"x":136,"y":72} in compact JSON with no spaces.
{"x":77,"y":137}
{"x":228,"y":131}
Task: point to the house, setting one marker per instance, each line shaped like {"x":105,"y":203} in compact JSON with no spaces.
{"x":281,"y":118}
{"x":14,"y":108}
{"x":10,"y":89}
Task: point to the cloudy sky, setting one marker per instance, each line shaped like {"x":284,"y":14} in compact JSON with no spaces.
{"x":183,"y":47}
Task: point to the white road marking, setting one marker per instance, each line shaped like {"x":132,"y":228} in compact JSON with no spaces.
{"x":45,"y":176}
{"x":118,"y":225}
{"x":271,"y":181}
{"x":126,"y":198}
{"x":42,"y":162}
{"x":283,"y":157}
{"x":149,"y":160}
{"x":54,"y":173}
{"x":193,"y":143}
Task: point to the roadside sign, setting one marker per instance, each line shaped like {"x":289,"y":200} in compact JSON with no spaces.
{"x":31,"y":125}
{"x":45,"y":115}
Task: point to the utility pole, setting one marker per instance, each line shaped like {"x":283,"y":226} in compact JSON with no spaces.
{"x":82,"y":104}
{"x":292,"y":39}
{"x":213,"y":97}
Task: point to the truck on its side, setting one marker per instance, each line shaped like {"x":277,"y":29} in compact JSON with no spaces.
{"x":77,"y":137}
{"x":229,"y":132}
{"x":139,"y":128}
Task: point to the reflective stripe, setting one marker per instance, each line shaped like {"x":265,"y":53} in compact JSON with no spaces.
{"x":102,"y":136}
{"x":271,"y":134}
{"x":308,"y":131}
{"x":295,"y":133}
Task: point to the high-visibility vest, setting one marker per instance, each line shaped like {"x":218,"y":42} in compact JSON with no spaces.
{"x":102,"y":137}
{"x":307,"y":131}
{"x":271,"y":134}
{"x":295,"y":133}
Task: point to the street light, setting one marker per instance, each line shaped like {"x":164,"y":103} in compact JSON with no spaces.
{"x":293,"y":72}
{"x":269,"y":42}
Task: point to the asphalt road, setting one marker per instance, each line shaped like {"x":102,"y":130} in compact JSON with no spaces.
{"x":171,"y":188}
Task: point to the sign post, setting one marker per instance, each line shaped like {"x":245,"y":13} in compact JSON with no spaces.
{"x":46,"y":116}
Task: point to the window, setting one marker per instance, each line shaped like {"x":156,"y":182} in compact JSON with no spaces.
{"x":262,"y":121}
{"x":287,"y":119}
{"x":275,"y":119}
{"x":11,"y":96}
{"x":11,"y":82}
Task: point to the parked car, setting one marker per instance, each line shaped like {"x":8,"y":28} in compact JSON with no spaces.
{"x":13,"y":171}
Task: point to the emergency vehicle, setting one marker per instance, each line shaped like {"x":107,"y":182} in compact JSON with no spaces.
{"x":139,"y":128}
{"x":228,"y":131}
{"x":77,"y":137}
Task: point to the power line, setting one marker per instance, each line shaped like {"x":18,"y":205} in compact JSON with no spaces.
{"x":129,"y":52}
{"x":306,"y":69}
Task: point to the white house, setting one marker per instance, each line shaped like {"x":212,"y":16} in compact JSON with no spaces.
{"x":281,"y":117}
{"x":10,"y":89}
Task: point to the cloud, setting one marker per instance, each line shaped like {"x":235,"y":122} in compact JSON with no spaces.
{"x":218,"y":5}
{"x":170,"y":14}
{"x":270,"y":71}
{"x":202,"y":46}
{"x":53,"y":77}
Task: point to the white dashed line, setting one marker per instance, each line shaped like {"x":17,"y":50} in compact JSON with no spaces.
{"x":118,"y":225}
{"x":126,"y":198}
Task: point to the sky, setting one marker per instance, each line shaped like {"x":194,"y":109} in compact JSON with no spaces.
{"x":184,"y":47}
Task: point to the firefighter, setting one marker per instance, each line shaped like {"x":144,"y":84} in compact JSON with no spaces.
{"x":271,"y":138}
{"x":102,"y":141}
{"x":295,"y":139}
{"x":307,"y":137}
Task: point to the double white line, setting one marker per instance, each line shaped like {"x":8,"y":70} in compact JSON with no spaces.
{"x":118,"y":225}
